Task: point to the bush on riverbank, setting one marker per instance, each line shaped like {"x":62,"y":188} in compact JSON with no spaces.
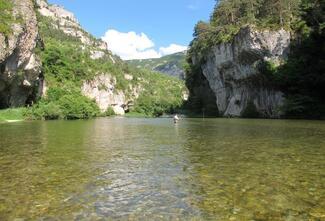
{"x":63,"y":104}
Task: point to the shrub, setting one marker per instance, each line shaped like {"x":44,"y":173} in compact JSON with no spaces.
{"x":78,"y":107}
{"x":302,"y":106}
{"x":109,"y":112}
{"x":62,"y":103}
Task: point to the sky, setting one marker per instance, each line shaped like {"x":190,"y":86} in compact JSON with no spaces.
{"x":139,"y":29}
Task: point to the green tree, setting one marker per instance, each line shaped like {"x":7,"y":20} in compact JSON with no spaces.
{"x":302,"y":78}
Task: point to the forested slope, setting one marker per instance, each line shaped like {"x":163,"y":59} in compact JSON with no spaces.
{"x":51,"y":64}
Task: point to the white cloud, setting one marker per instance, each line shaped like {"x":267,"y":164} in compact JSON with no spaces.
{"x":171,"y":49}
{"x":193,"y":6}
{"x":132,"y":45}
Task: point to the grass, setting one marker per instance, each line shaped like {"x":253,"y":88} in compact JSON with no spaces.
{"x":15,"y":114}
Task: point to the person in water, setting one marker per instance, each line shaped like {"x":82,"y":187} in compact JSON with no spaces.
{"x":176,"y":118}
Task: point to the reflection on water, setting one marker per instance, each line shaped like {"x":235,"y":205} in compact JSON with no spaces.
{"x":151,"y":169}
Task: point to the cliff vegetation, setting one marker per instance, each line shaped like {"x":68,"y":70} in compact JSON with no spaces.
{"x":6,"y":17}
{"x":300,"y":77}
{"x":172,"y":65}
{"x":70,"y":57}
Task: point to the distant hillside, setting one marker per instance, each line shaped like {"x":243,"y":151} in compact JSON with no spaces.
{"x":51,"y":64}
{"x":171,"y":64}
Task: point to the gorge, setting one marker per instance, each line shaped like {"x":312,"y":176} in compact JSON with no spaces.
{"x":87,"y":136}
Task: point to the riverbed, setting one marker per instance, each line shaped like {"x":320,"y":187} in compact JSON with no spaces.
{"x":153,"y":169}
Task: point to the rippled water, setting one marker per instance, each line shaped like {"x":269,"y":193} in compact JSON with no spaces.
{"x":151,"y":169}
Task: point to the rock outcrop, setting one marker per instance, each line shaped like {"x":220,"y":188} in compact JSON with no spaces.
{"x":20,"y":67}
{"x":67,"y":22}
{"x":230,"y":67}
{"x":103,"y":90}
{"x":21,"y":77}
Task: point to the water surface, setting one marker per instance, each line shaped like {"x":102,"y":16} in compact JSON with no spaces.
{"x":151,"y":169}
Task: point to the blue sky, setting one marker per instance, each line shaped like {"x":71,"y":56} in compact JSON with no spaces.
{"x":163,"y":22}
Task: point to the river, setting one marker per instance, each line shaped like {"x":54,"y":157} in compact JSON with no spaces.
{"x":151,"y":169}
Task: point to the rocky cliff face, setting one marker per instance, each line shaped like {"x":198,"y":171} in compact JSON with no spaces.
{"x":230,"y":68}
{"x":103,"y":90}
{"x":41,"y":29}
{"x":67,"y":22}
{"x":20,"y":67}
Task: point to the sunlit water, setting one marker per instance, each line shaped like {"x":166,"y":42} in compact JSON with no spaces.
{"x":151,"y":169}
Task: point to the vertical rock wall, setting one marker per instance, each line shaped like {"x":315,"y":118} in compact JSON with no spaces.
{"x":20,"y":68}
{"x":230,"y":68}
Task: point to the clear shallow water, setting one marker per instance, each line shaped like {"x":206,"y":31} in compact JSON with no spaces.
{"x":151,"y":169}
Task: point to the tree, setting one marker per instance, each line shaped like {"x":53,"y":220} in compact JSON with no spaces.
{"x":302,"y":78}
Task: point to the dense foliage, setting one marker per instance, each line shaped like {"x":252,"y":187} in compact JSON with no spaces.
{"x":162,"y":94}
{"x":66,"y":62}
{"x":302,"y":77}
{"x":63,"y":103}
{"x":6,"y":17}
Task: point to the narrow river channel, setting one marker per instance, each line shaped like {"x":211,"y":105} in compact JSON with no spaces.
{"x":151,"y":169}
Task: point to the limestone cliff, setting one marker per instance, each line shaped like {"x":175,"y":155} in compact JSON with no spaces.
{"x":231,"y":67}
{"x":48,"y":51}
{"x":20,"y":68}
{"x":103,"y":90}
{"x":65,"y":21}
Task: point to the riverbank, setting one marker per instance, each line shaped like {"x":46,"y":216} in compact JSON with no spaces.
{"x":12,"y":115}
{"x":20,"y":114}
